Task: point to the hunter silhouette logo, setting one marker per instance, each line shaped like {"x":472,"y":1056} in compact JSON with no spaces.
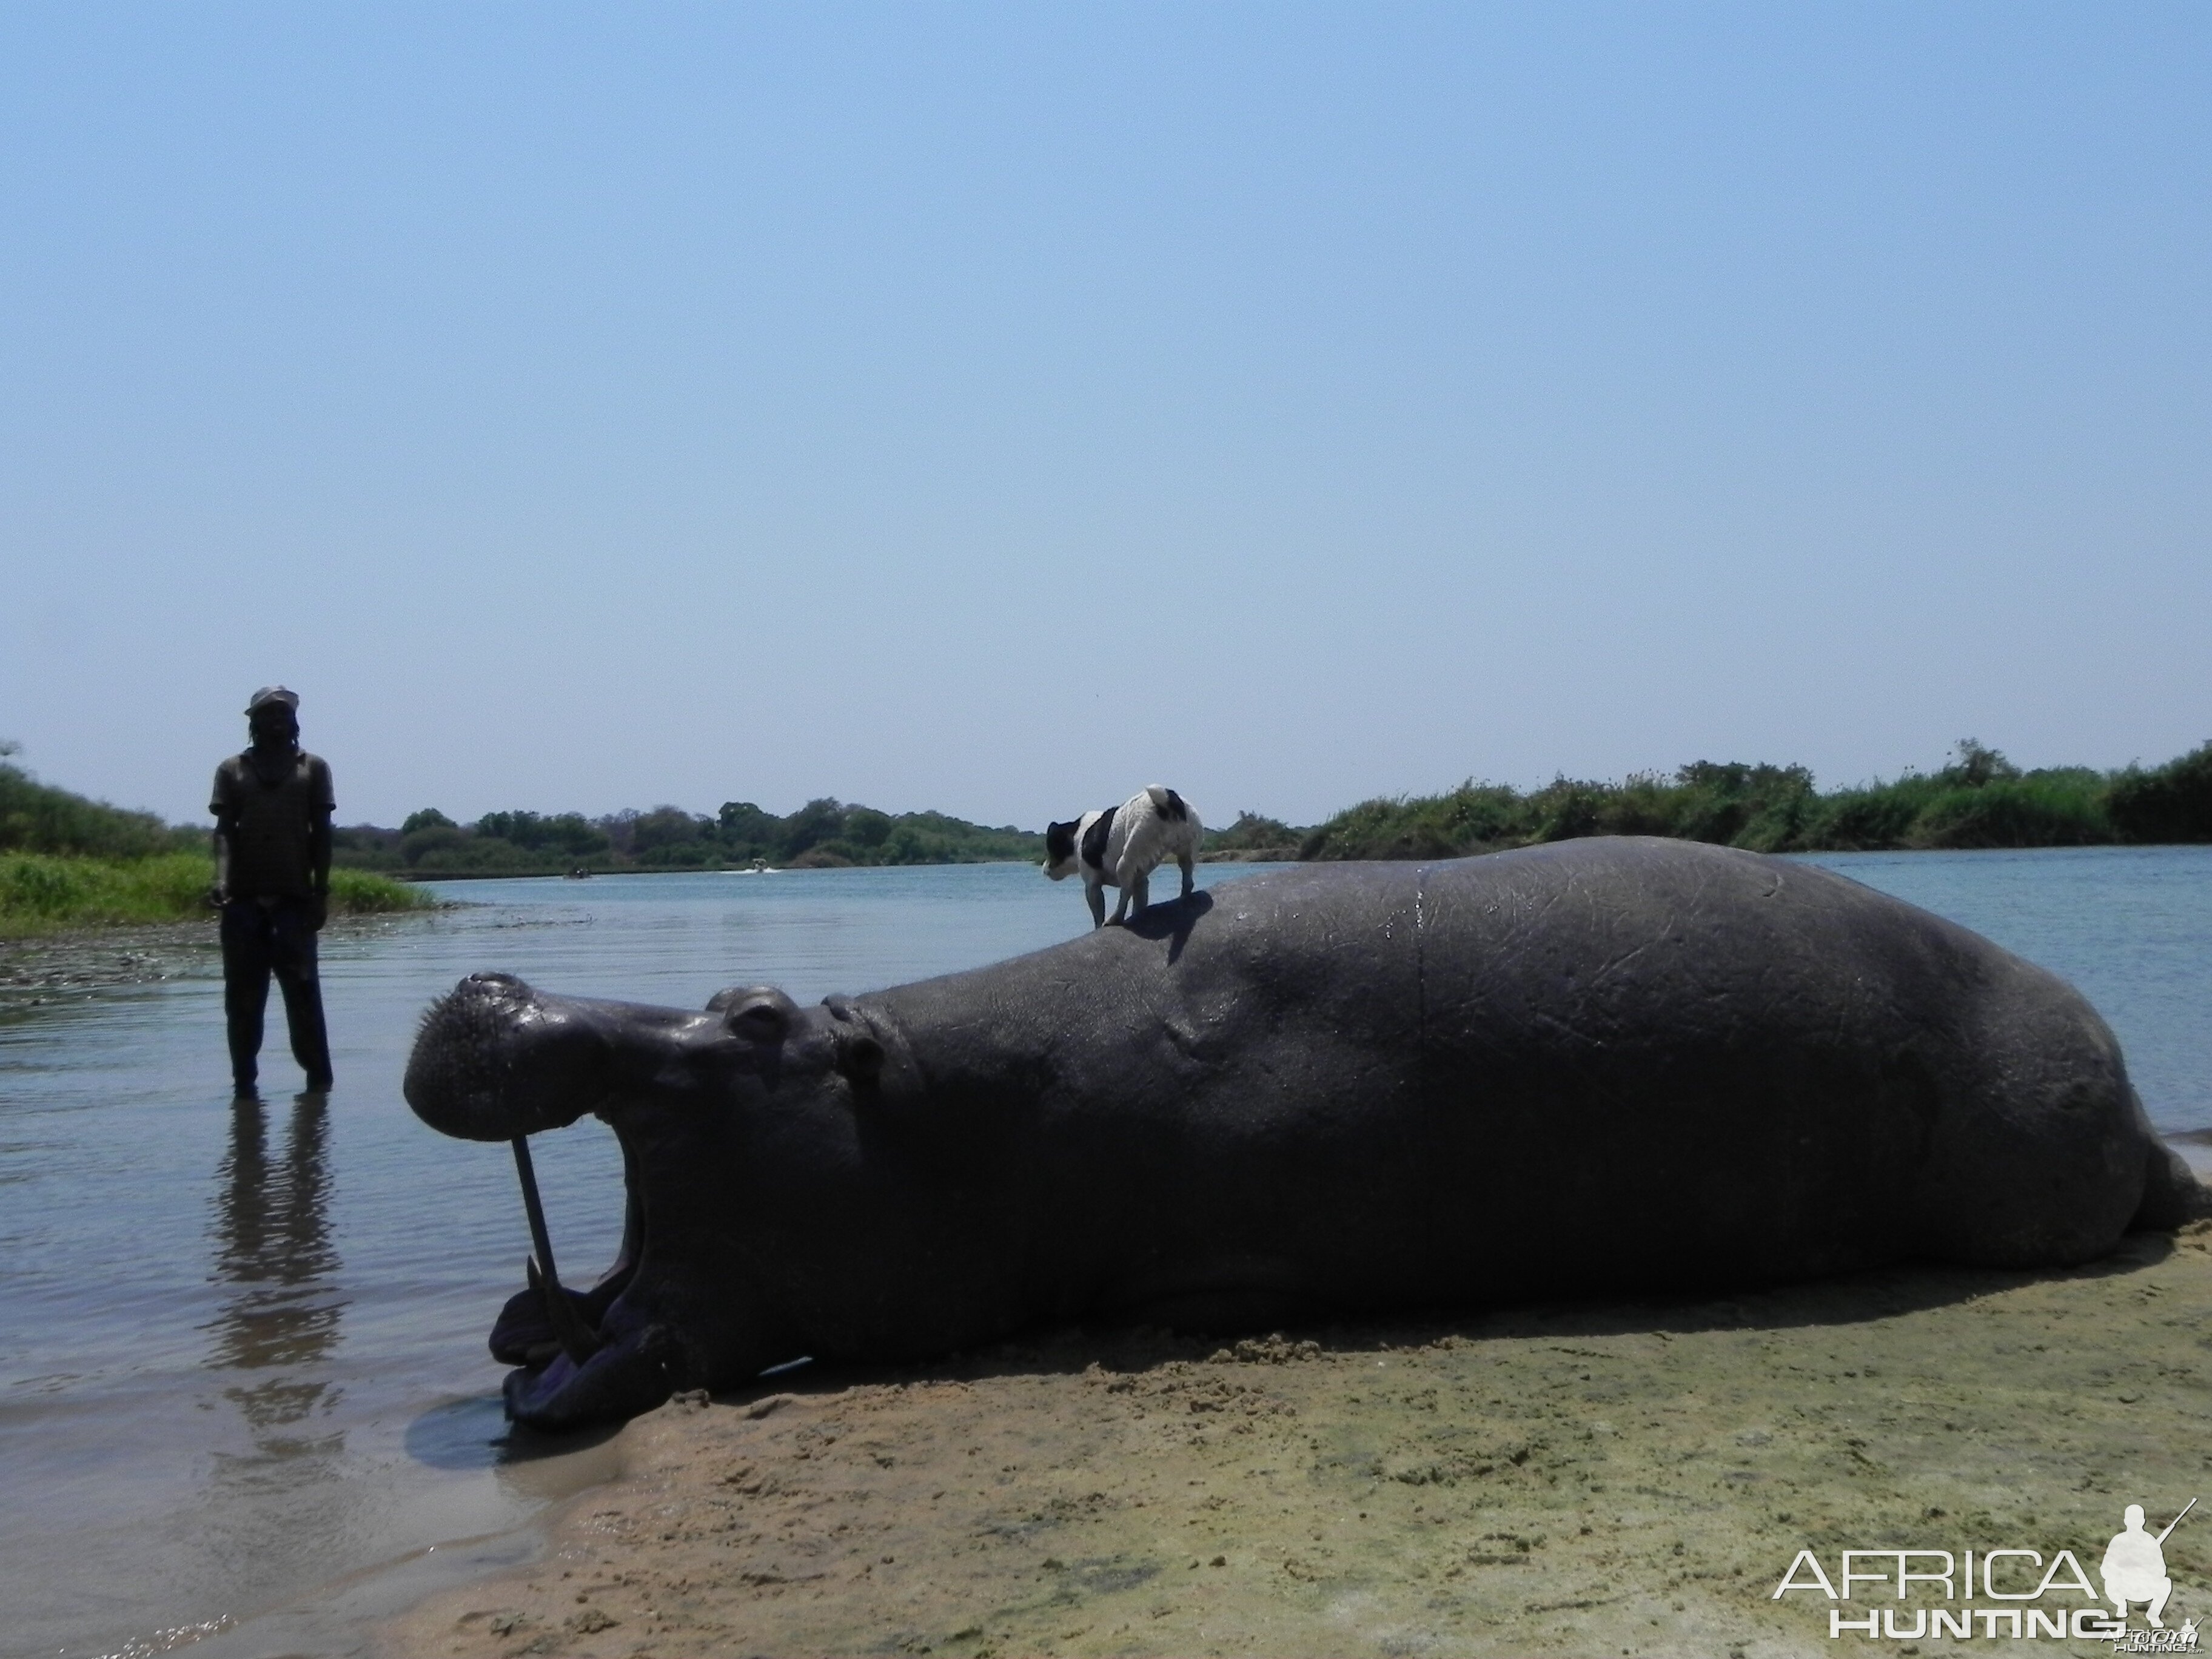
{"x":2135,"y":1571}
{"x":2135,"y":1566}
{"x":2028,"y":1590}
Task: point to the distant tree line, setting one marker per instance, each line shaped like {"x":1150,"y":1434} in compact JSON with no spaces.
{"x":822,"y":834}
{"x":1980,"y":799}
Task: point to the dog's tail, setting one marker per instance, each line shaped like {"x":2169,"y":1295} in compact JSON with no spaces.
{"x":1167,"y":803}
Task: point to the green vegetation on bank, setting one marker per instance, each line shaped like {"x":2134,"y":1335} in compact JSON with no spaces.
{"x":1980,"y":800}
{"x":69,"y":862}
{"x":822,"y":834}
{"x":66,"y":861}
{"x":37,"y":818}
{"x":1253,"y":837}
{"x":49,"y":892}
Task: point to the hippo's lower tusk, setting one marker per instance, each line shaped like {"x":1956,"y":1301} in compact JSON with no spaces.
{"x":576,"y":1339}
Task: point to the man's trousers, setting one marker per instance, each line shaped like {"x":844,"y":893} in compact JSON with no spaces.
{"x":261,"y":937}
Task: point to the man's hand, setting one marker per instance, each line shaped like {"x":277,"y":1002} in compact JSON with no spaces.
{"x":218,"y":896}
{"x":319,"y":910}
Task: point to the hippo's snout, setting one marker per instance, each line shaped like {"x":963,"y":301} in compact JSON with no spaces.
{"x":495,"y":1059}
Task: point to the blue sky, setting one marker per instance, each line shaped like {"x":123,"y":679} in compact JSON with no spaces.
{"x":994,"y":408}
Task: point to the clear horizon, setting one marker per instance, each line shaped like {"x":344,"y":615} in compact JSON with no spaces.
{"x":992,"y":409}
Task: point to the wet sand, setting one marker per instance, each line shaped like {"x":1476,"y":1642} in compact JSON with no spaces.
{"x":1584,"y":1481}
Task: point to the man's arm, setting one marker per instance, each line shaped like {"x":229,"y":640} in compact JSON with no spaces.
{"x":319,"y":842}
{"x":224,"y":827}
{"x":319,"y":863}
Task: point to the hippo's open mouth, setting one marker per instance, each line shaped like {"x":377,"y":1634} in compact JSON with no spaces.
{"x":497,"y":1059}
{"x":569,"y":1344}
{"x":683,"y":1305}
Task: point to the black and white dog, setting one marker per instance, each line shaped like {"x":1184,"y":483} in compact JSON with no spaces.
{"x":1122,"y":846}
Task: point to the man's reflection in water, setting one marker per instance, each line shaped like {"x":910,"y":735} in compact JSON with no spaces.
{"x":273,"y":1244}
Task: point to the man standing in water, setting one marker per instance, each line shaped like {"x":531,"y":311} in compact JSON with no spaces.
{"x":272,"y":808}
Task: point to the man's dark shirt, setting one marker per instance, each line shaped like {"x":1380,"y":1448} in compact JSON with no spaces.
{"x":268,"y":849}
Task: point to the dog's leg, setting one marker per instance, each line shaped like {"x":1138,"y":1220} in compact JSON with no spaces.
{"x":1184,"y":859}
{"x":1097,"y":894}
{"x":1136,"y":894}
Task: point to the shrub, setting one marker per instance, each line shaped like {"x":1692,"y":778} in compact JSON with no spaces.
{"x":363,"y":893}
{"x":1976,"y":766}
{"x":866,"y":826}
{"x":1874,"y":819}
{"x":567,"y":834}
{"x":423,"y":841}
{"x":1253,"y":833}
{"x":665,"y":827}
{"x":2038,"y":810}
{"x":37,"y":818}
{"x":2171,"y":803}
{"x":1733,"y":803}
{"x":818,"y":820}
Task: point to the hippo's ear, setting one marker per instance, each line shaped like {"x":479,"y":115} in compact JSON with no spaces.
{"x":759,"y":1013}
{"x":859,"y":1056}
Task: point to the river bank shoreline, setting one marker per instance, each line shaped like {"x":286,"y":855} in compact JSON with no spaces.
{"x":83,"y":959}
{"x":35,"y":968}
{"x":1592,"y":1479}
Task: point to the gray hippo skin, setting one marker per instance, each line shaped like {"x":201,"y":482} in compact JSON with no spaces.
{"x":1606,"y":1066}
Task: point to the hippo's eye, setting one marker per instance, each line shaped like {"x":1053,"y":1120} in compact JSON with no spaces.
{"x":859,"y":1056}
{"x":761,"y":1014}
{"x":761,"y":1023}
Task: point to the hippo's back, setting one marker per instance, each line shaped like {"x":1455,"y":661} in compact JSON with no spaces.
{"x":1772,"y":1062}
{"x":1610,"y":1063}
{"x":1607,"y":1064}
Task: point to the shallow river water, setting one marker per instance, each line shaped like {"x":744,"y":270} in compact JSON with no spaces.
{"x":241,"y":1348}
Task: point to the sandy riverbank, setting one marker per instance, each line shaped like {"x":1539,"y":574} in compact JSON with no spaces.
{"x":1588,"y":1480}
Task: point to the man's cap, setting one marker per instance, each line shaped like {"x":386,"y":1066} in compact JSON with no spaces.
{"x":276,"y":694}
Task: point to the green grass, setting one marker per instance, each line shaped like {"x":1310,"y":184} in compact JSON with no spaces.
{"x":365,"y":893}
{"x":45,"y":893}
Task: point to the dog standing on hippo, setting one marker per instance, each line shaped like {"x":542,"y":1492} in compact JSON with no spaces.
{"x":1122,"y":846}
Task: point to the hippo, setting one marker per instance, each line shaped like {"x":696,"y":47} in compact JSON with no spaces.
{"x":1616,"y":1066}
